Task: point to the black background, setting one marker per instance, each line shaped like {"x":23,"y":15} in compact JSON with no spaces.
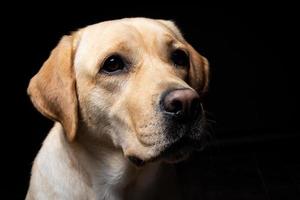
{"x":253,"y":95}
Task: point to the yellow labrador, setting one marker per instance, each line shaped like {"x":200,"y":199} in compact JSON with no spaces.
{"x":125,"y":96}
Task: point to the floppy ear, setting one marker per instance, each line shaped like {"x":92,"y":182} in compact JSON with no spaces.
{"x":199,"y":71}
{"x":53,"y":91}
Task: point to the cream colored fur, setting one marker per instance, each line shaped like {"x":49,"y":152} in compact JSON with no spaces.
{"x":102,"y":119}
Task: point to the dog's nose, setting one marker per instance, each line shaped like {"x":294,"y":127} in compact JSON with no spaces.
{"x":183,"y":104}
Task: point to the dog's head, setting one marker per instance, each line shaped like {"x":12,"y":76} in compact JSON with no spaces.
{"x":135,"y":81}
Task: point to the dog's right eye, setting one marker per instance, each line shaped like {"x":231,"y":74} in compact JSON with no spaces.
{"x":113,"y":64}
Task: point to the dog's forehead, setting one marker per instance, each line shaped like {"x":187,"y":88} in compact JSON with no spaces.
{"x":129,"y":29}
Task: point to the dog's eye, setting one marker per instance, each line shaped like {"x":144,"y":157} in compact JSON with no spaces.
{"x":180,"y":58}
{"x":112,"y":64}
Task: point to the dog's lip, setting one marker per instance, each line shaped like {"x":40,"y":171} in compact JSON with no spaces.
{"x":136,"y":161}
{"x":172,"y":153}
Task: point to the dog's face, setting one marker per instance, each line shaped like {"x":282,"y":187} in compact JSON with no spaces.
{"x":138,"y":83}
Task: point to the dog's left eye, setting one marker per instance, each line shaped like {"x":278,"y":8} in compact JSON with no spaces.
{"x":180,"y":58}
{"x":113,"y":64}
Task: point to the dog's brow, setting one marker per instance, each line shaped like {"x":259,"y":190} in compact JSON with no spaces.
{"x":171,"y":42}
{"x":120,"y":46}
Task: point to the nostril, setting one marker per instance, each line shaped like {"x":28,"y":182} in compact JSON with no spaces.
{"x":172,"y":103}
{"x":175,"y":106}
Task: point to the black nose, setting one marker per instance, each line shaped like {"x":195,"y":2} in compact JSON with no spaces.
{"x":183,"y":104}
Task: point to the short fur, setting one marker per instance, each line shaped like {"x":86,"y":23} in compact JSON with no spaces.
{"x":101,"y":120}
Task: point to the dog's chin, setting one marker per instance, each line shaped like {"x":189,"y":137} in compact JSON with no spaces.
{"x":179,"y":151}
{"x":172,"y":158}
{"x":172,"y":153}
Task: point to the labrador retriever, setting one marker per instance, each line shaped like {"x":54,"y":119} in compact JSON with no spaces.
{"x":125,"y":96}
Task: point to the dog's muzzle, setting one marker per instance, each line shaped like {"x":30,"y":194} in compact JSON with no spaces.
{"x":182,"y":114}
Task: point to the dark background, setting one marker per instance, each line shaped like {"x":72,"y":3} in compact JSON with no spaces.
{"x":253,"y":95}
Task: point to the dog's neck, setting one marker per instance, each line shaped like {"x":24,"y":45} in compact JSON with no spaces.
{"x":104,"y":169}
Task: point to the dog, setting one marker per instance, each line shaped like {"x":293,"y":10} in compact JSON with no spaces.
{"x":125,"y":97}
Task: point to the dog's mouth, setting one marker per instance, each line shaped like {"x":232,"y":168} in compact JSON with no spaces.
{"x":189,"y":139}
{"x":173,"y":153}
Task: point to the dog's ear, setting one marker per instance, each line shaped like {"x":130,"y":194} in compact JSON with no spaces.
{"x":53,"y":89}
{"x":199,"y":71}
